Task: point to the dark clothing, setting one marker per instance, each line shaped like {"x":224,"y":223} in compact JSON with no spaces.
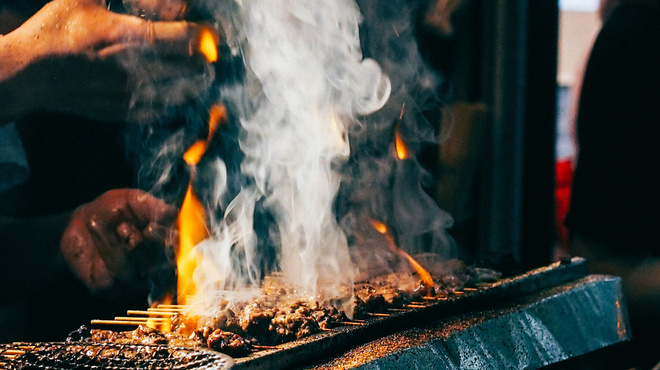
{"x":616,"y":189}
{"x":72,"y":161}
{"x":615,"y":205}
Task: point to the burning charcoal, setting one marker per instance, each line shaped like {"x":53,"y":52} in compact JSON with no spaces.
{"x":79,"y":335}
{"x":229,"y":343}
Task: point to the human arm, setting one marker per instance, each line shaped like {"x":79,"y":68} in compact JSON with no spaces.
{"x":111,"y":244}
{"x":78,"y":57}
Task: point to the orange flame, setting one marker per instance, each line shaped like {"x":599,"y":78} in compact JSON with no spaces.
{"x":159,"y":323}
{"x":399,"y":145}
{"x":401,"y":150}
{"x":192,"y":217}
{"x":194,"y":153}
{"x":425,"y":276}
{"x":192,"y":230}
{"x":208,"y":44}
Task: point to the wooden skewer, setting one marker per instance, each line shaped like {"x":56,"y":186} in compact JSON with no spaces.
{"x":353,"y":323}
{"x":170,"y":306}
{"x":135,"y":322}
{"x":164,"y":310}
{"x":415,"y":306}
{"x":139,"y":312}
{"x":397,"y":309}
{"x":436,"y":298}
{"x":13,"y":352}
{"x":470,"y":289}
{"x":145,"y":319}
{"x":457,"y":292}
{"x":114,"y":322}
{"x":378,"y":314}
{"x":265,"y":347}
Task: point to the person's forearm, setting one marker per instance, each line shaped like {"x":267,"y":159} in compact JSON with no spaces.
{"x":31,"y":256}
{"x":15,"y":57}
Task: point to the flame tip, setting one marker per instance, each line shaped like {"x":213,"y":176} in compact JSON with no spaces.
{"x":400,"y":147}
{"x":208,"y":44}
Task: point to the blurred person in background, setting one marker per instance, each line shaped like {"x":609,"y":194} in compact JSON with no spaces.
{"x":75,"y":241}
{"x":615,"y":200}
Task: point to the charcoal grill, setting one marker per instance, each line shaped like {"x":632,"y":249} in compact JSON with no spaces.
{"x":115,"y":356}
{"x":560,"y":291}
{"x":527,"y":321}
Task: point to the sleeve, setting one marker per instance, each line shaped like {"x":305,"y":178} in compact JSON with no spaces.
{"x":13,"y":162}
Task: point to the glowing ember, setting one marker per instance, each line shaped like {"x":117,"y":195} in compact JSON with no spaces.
{"x":208,"y":44}
{"x":192,"y":216}
{"x":425,"y":276}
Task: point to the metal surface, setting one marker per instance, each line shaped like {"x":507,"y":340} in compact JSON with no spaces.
{"x":542,"y":329}
{"x":485,"y":304}
{"x":115,"y":356}
{"x":322,"y":345}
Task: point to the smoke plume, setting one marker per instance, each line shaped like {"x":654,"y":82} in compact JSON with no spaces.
{"x":307,"y":158}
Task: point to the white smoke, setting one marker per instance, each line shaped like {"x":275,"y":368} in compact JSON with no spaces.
{"x":306,"y":81}
{"x":309,"y":161}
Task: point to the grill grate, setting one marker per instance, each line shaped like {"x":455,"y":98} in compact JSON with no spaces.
{"x":111,"y":356}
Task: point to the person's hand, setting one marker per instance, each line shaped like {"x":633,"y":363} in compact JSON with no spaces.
{"x":78,"y":57}
{"x":115,"y":242}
